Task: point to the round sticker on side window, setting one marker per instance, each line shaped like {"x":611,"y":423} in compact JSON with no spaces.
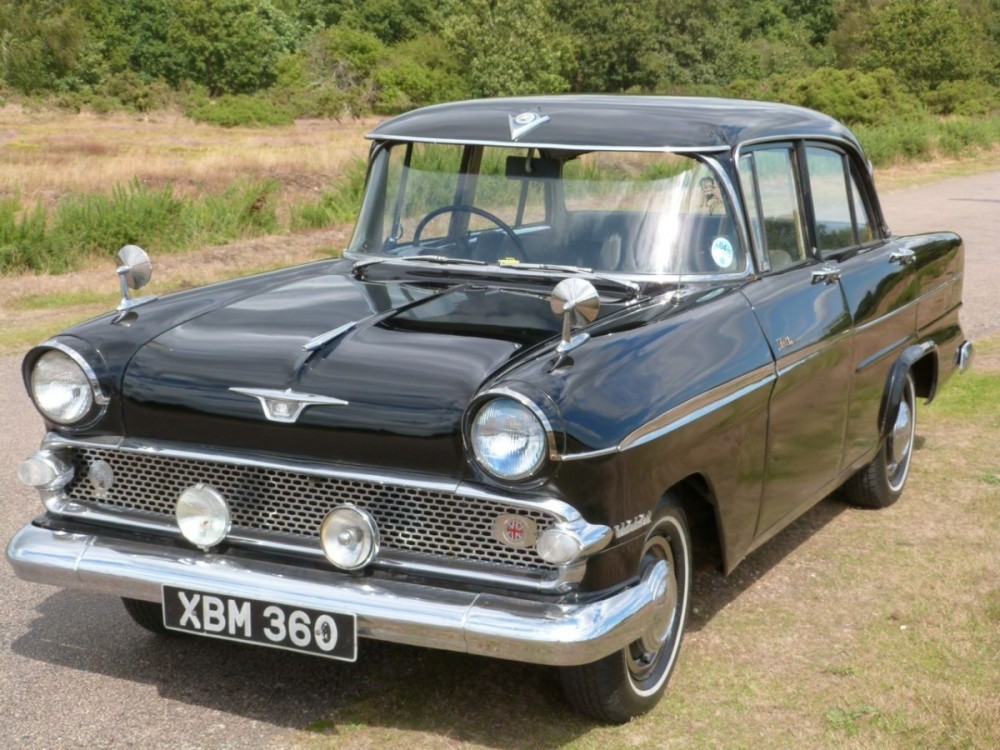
{"x":722,"y":253}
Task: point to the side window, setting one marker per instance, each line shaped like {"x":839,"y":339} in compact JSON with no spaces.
{"x":769,"y":184}
{"x":843,"y":217}
{"x":832,"y":203}
{"x":862,"y":216}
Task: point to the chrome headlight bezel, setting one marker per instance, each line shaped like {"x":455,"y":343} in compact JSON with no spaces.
{"x":93,"y":400}
{"x":534,"y":419}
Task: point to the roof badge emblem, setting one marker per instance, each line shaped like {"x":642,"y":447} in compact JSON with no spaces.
{"x":525,"y":123}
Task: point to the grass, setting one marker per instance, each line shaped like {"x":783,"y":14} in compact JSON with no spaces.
{"x":852,"y":628}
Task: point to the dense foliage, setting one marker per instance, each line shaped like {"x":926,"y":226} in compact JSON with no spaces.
{"x":260,"y":61}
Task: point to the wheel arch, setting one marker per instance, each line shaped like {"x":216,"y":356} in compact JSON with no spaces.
{"x":920,"y":360}
{"x":695,"y":495}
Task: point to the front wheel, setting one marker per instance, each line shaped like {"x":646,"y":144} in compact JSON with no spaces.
{"x":146,"y":614}
{"x":880,"y":483}
{"x":630,"y":682}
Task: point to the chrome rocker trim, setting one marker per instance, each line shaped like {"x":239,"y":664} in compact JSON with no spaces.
{"x":397,"y":611}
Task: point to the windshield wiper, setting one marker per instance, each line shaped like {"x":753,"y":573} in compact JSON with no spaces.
{"x":550,"y":267}
{"x":631,"y":286}
{"x":359,"y":268}
{"x":440,"y":259}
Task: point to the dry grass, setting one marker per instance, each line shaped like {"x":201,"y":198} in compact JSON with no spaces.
{"x":850,"y":629}
{"x":46,"y":155}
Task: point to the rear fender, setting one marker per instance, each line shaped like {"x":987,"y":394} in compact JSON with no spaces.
{"x":893,"y":393}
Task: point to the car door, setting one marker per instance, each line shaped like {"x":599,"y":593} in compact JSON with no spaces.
{"x":877,"y":275}
{"x":802,"y":311}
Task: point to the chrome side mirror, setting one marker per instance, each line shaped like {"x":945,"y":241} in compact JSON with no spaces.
{"x":134,"y":272}
{"x":578,"y":302}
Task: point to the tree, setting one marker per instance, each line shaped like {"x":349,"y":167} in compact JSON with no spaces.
{"x":42,"y":42}
{"x":614,"y":43}
{"x":507,"y":47}
{"x":925,"y":42}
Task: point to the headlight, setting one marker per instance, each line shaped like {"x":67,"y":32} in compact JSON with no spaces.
{"x":508,"y":440}
{"x":60,"y":388}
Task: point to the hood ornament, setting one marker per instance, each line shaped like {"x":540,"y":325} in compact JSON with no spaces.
{"x":578,"y":302}
{"x":524,"y":123}
{"x":286,"y":406}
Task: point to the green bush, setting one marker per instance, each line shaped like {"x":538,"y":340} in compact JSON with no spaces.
{"x":338,"y":206}
{"x":895,"y":140}
{"x":243,"y":210}
{"x":968,"y":98}
{"x":22,"y":237}
{"x":232,"y":111}
{"x":851,"y":96}
{"x":960,"y":135}
{"x":37,"y":239}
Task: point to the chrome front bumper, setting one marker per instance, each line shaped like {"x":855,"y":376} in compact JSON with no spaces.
{"x":387,"y":610}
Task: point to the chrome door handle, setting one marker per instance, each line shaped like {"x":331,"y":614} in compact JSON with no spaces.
{"x":826,"y":275}
{"x":904,"y":256}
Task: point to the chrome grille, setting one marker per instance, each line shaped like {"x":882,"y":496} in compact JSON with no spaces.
{"x":291,"y":505}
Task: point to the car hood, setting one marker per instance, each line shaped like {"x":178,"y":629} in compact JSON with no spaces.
{"x":406,"y":369}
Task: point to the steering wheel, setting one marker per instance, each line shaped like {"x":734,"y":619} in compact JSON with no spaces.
{"x":504,"y":227}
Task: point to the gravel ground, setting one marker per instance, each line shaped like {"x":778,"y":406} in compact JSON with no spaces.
{"x":75,"y":673}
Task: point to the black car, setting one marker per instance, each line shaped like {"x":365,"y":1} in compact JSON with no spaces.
{"x":574,"y":343}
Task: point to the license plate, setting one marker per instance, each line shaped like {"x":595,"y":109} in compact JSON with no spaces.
{"x":232,"y":618}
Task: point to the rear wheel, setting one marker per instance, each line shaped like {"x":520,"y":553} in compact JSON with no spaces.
{"x":630,"y":681}
{"x":147,"y":614}
{"x":880,"y":483}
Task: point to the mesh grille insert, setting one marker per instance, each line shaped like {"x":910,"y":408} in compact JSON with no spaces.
{"x":289,"y":504}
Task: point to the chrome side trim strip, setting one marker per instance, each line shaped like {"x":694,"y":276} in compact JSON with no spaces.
{"x":686,"y":413}
{"x":700,"y":406}
{"x":884,"y":352}
{"x":389,"y":610}
{"x":589,"y":454}
{"x":882,"y":318}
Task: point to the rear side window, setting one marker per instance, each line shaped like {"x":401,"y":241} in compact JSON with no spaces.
{"x":842,"y":218}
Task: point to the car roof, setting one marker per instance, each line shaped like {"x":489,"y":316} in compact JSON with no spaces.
{"x":595,"y":122}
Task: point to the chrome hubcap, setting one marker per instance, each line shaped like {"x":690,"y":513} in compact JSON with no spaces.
{"x":901,"y":434}
{"x":642,"y":654}
{"x":666,"y":603}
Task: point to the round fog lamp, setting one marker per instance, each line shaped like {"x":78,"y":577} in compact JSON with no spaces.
{"x":558,"y":547}
{"x":349,"y":537}
{"x":202,"y":515}
{"x":45,"y":471}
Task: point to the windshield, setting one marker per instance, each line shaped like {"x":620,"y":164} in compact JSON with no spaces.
{"x":608,"y":211}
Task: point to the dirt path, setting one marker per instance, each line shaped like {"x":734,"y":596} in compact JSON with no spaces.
{"x":970,"y":206}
